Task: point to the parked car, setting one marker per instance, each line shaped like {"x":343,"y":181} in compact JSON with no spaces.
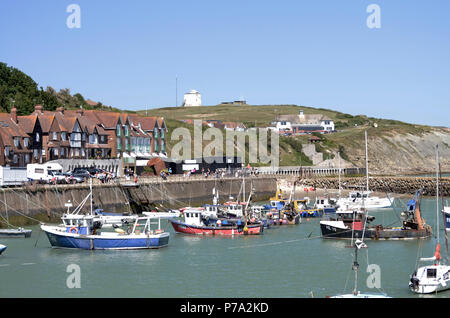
{"x":82,"y":173}
{"x":74,"y":178}
{"x":56,"y":176}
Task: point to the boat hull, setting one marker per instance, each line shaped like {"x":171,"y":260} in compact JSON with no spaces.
{"x":181,"y":227}
{"x":334,"y":232}
{"x":114,"y":242}
{"x":15,"y":233}
{"x":2,"y":248}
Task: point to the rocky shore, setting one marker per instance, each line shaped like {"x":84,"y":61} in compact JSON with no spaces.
{"x":399,"y":185}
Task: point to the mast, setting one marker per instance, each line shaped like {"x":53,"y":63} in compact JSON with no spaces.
{"x":367,"y":162}
{"x":90,"y":187}
{"x":339,"y":156}
{"x":355,"y":268}
{"x":437,"y":192}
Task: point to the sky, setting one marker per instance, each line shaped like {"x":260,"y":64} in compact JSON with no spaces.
{"x":321,"y":53}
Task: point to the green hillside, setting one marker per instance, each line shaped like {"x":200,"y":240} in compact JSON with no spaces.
{"x":349,"y":135}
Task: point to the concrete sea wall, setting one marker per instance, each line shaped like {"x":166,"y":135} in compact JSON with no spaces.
{"x":44,"y":202}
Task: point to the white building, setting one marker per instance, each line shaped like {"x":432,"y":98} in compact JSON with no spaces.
{"x":193,"y":98}
{"x":304,"y":123}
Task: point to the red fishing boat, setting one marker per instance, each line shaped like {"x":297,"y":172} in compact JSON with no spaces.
{"x":197,"y":222}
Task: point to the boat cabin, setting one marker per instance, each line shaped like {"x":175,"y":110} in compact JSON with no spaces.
{"x":359,"y":195}
{"x":210,"y":210}
{"x":79,"y":224}
{"x":236,"y":210}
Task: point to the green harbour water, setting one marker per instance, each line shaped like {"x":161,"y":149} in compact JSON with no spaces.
{"x":284,"y":262}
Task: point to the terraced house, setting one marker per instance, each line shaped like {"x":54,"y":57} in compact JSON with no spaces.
{"x":79,"y":134}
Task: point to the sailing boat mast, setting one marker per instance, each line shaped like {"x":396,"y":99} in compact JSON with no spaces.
{"x":339,"y":156}
{"x":367,"y":162}
{"x":437,"y":192}
{"x":90,"y":187}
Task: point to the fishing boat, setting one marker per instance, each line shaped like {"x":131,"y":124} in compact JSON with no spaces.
{"x":84,"y":231}
{"x":211,"y":222}
{"x":324,"y":205}
{"x":2,"y":248}
{"x":436,"y":277}
{"x":354,"y":223}
{"x":356,"y":198}
{"x":359,"y":244}
{"x":15,"y":232}
{"x":12,"y":231}
{"x":194,"y":222}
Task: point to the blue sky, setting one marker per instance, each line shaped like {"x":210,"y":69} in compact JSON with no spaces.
{"x":315,"y":53}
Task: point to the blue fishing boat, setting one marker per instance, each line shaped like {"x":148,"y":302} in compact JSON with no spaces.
{"x":85,"y":231}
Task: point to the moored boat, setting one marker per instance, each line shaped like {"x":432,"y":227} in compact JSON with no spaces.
{"x":355,"y":223}
{"x":17,"y":232}
{"x":198,"y":222}
{"x":84,"y":231}
{"x":435,"y":277}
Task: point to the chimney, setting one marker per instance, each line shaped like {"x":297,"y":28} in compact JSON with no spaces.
{"x":14,"y":114}
{"x":39,"y":109}
{"x":80,"y":111}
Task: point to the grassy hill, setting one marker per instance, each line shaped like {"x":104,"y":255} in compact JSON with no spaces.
{"x":349,"y":140}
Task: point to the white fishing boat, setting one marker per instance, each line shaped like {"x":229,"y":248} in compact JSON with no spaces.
{"x":356,"y":198}
{"x":435,"y":277}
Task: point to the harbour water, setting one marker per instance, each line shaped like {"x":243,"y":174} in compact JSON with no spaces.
{"x":284,"y":262}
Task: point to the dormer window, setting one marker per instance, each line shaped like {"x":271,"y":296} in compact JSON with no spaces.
{"x":16,"y":142}
{"x":55,"y":135}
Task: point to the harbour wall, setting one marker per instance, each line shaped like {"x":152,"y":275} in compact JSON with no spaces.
{"x":27,"y":204}
{"x":400,"y":185}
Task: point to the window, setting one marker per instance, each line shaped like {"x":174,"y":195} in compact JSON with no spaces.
{"x":63,"y":136}
{"x":16,"y":141}
{"x":38,"y":137}
{"x":27,"y":158}
{"x":15,"y":159}
{"x":6,"y":151}
{"x":55,"y":135}
{"x":26,"y":142}
{"x":431,"y":273}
